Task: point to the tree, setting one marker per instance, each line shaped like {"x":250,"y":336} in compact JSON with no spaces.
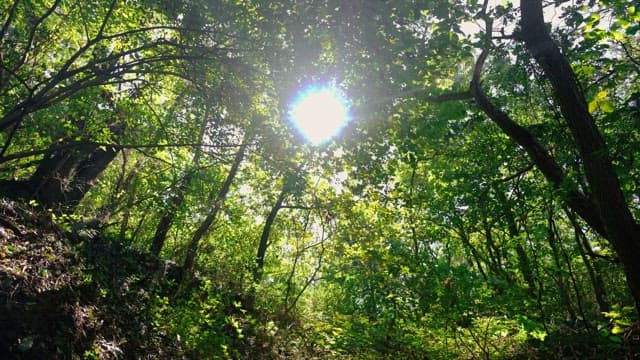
{"x":602,"y":204}
{"x":216,"y":206}
{"x":103,"y":64}
{"x":483,"y":199}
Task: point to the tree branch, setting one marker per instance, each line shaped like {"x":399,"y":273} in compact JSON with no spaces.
{"x":32,"y":35}
{"x":106,"y":18}
{"x":455,"y":96}
{"x":540,"y":156}
{"x":7,"y":22}
{"x":608,"y":201}
{"x":76,"y":144}
{"x":636,"y":63}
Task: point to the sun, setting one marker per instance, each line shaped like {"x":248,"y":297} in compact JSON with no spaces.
{"x":319,"y":113}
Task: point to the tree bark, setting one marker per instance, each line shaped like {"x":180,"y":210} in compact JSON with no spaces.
{"x":551,"y":170}
{"x":63,"y":177}
{"x":169,"y":215}
{"x":495,"y":256}
{"x":477,"y":258}
{"x":607,"y":197}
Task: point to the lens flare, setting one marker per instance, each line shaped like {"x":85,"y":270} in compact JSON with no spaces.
{"x":319,"y":114}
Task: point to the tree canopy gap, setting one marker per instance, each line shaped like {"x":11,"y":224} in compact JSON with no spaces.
{"x":319,"y":113}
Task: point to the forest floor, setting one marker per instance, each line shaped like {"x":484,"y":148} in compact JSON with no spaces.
{"x":76,"y":295}
{"x":65,"y":298}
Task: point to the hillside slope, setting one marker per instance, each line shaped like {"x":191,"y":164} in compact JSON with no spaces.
{"x":64,"y":298}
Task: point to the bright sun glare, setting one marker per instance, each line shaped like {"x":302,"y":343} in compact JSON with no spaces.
{"x":319,"y":114}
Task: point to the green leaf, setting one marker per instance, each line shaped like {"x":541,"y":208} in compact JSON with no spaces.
{"x":615,"y":339}
{"x":617,"y":35}
{"x":606,"y":106}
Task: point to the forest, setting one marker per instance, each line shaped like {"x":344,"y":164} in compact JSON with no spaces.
{"x":159,"y":198}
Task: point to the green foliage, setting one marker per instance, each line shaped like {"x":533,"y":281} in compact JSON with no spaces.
{"x":422,"y":231}
{"x":620,"y":318}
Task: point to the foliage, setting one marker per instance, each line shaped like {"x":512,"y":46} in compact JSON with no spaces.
{"x":481,"y":204}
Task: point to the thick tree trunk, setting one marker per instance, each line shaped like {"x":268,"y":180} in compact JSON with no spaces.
{"x":67,"y":172}
{"x":66,"y":189}
{"x":543,"y":160}
{"x":605,"y":192}
{"x":63,"y":177}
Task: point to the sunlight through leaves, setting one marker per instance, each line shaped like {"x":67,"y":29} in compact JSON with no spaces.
{"x":319,"y":114}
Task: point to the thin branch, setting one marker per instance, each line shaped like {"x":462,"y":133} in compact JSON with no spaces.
{"x":455,"y":96}
{"x":635,"y":62}
{"x":17,"y":77}
{"x":32,"y":35}
{"x":9,"y":140}
{"x":314,"y":275}
{"x":43,"y":98}
{"x":10,"y":17}
{"x":505,"y":37}
{"x":71,"y":145}
{"x":153,"y":28}
{"x":516,"y":175}
{"x":297,"y":207}
{"x":106,"y":18}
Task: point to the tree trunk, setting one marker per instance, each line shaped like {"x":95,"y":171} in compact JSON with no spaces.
{"x":565,"y":298}
{"x":64,"y":176}
{"x":264,"y":238}
{"x":169,"y":215}
{"x":524,"y":263}
{"x":607,"y":197}
{"x":66,"y":172}
{"x":477,"y":258}
{"x":599,"y":289}
{"x":495,"y":256}
{"x":177,"y":199}
{"x":192,"y":249}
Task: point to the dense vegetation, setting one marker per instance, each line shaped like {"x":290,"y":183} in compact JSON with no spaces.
{"x":158,"y":203}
